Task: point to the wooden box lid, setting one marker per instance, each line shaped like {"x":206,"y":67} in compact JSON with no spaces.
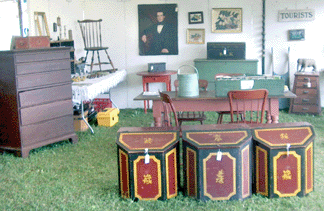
{"x":220,"y":136}
{"x":279,"y":135}
{"x":156,"y":139}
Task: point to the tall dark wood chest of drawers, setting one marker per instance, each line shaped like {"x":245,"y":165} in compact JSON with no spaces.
{"x":307,"y":89}
{"x":35,"y":99}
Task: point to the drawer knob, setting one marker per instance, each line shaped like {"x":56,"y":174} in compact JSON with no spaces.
{"x":305,"y":100}
{"x":306,"y":79}
{"x":305,"y":92}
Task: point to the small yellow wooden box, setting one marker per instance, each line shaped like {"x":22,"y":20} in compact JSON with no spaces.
{"x":108,"y":117}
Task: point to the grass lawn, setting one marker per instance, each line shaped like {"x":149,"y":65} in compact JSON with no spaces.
{"x":84,"y":176}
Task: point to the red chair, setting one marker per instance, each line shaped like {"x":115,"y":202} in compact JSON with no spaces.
{"x":190,"y":115}
{"x":168,"y":111}
{"x":224,"y":75}
{"x":247,"y":106}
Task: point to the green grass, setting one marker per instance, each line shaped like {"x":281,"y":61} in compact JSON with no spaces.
{"x":83,"y":176}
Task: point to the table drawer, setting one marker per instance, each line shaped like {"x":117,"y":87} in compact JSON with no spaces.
{"x":43,"y":79}
{"x":305,"y":109}
{"x":312,"y":92}
{"x":303,"y":84}
{"x":156,"y":79}
{"x":306,"y":100}
{"x":45,"y":66}
{"x":31,"y":134}
{"x":45,"y":112}
{"x":45,"y":95}
{"x":42,"y":55}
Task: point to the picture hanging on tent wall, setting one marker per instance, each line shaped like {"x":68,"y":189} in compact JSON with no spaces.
{"x":227,"y":20}
{"x":195,"y":17}
{"x":195,"y":36}
{"x":296,"y":34}
{"x":158,"y":29}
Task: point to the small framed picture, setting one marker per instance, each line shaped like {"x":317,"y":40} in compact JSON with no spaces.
{"x":296,"y":34}
{"x":195,"y":36}
{"x":227,"y":20}
{"x":195,"y":17}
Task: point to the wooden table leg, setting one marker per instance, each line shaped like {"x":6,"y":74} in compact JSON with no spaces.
{"x":148,"y":102}
{"x":274,"y":110}
{"x":275,"y":119}
{"x":268,"y":115}
{"x":157,"y":113}
{"x":144,"y":90}
{"x":168,"y":84}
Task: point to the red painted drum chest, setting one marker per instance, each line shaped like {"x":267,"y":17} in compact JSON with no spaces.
{"x":217,"y":161}
{"x":284,"y":159}
{"x":148,"y":162}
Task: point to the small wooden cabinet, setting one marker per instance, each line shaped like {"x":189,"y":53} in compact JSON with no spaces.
{"x":307,"y":89}
{"x":35,"y":99}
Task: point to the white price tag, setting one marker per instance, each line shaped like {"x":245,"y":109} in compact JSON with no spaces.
{"x":309,"y":85}
{"x":247,"y":84}
{"x":288,"y":147}
{"x":147,"y":157}
{"x":219,"y":156}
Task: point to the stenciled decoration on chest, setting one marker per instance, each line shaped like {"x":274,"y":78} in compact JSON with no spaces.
{"x":296,"y":15}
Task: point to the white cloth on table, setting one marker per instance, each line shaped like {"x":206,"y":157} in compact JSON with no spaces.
{"x":90,"y":88}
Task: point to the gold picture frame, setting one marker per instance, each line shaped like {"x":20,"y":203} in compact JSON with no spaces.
{"x":227,"y":20}
{"x":195,"y":36}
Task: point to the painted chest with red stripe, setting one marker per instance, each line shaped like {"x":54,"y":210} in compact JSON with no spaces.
{"x":284,"y":159}
{"x":217,"y":161}
{"x":148,"y":163}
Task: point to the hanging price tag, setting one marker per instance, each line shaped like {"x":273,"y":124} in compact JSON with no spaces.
{"x":147,"y":156}
{"x":309,"y":85}
{"x":288,"y":146}
{"x":219,"y":155}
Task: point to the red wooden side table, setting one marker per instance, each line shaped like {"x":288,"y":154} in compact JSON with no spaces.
{"x":155,"y":77}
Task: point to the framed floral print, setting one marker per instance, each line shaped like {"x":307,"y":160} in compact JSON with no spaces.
{"x":227,"y":20}
{"x":195,"y":36}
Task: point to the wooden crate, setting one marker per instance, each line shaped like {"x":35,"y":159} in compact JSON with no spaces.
{"x":280,"y":170}
{"x":217,"y":161}
{"x":32,"y":42}
{"x":78,"y":122}
{"x":156,"y":180}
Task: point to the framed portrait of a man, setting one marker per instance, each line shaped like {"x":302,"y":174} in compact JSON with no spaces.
{"x":158,"y":29}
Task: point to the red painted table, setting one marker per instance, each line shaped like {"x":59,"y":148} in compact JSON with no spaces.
{"x":206,"y":101}
{"x":155,"y":77}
